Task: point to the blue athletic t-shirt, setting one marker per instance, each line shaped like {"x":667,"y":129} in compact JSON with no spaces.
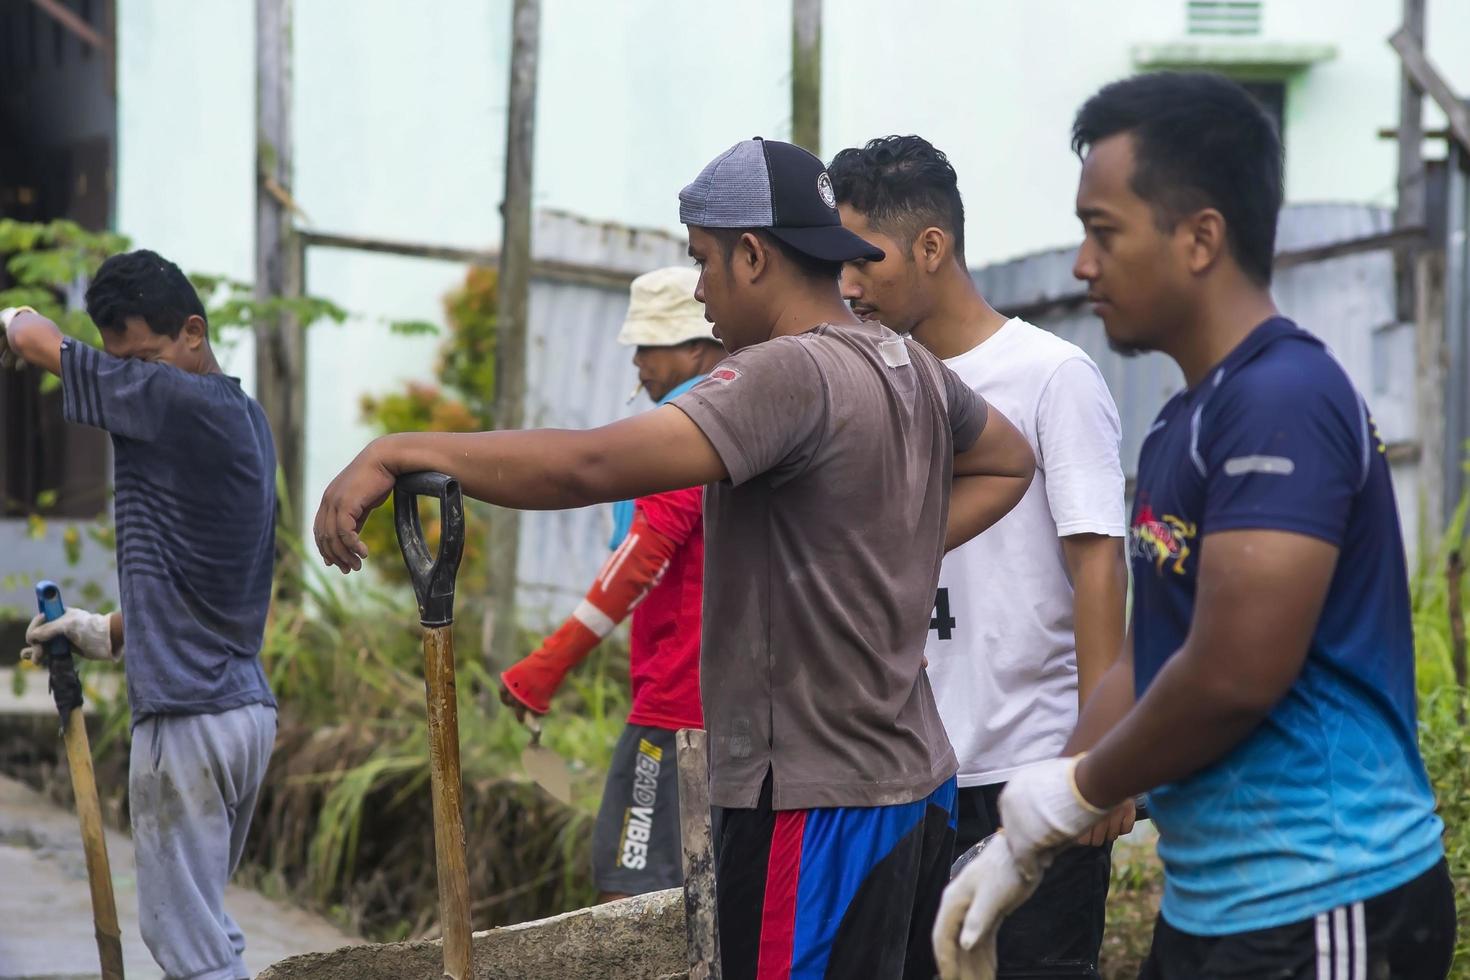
{"x":1327,"y":802}
{"x":195,"y":502}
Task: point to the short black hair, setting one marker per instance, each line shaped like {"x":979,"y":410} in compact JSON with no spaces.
{"x":142,"y":284}
{"x":1199,"y":141}
{"x":902,"y":185}
{"x":810,"y":267}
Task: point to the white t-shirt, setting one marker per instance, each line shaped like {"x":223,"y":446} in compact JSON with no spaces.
{"x":1001,"y":648}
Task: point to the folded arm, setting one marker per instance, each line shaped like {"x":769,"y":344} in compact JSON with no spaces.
{"x":1259,"y":598}
{"x":990,"y":478}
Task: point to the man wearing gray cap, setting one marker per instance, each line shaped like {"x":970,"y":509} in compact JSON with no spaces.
{"x":656,"y":573}
{"x":840,"y":461}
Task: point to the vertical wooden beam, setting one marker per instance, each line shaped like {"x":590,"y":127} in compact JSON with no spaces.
{"x":511,"y":327}
{"x":1429,"y":397}
{"x":806,"y":74}
{"x":700,"y":925}
{"x":1410,"y":211}
{"x":280,"y":345}
{"x":1456,"y":325}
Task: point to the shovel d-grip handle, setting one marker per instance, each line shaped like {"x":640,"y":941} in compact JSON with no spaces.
{"x":433,"y":578}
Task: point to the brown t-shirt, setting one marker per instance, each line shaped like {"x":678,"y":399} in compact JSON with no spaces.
{"x":822,"y":555}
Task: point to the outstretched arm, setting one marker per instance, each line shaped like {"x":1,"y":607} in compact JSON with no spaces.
{"x":534,"y":469}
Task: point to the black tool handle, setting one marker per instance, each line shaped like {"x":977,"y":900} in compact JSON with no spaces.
{"x":433,"y":578}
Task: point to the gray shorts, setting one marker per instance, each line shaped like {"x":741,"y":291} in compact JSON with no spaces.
{"x":635,"y":844}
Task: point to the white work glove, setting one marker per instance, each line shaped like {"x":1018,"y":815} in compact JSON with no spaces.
{"x":90,"y":635}
{"x":988,"y":889}
{"x":1043,"y":812}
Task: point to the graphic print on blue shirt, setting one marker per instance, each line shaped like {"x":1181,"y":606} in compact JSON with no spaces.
{"x":1327,"y":802}
{"x":195,"y":503}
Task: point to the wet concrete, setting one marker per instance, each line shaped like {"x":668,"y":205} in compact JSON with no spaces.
{"x":46,"y":911}
{"x":639,"y":938}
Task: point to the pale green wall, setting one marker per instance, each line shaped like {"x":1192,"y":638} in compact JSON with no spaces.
{"x":400,"y":115}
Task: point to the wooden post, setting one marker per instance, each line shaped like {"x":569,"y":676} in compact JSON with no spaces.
{"x":511,"y":322}
{"x":806,"y":74}
{"x":700,"y":923}
{"x":280,"y":346}
{"x":1429,"y":397}
{"x":1454,"y":576}
{"x":1410,"y":212}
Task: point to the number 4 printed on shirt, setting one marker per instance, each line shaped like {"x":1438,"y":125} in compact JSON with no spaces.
{"x":942,"y":621}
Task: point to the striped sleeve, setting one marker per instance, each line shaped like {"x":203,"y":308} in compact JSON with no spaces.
{"x":124,"y":396}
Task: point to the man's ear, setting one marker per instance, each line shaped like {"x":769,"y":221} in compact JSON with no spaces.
{"x":195,"y":332}
{"x":752,"y":256}
{"x":932,"y":248}
{"x":1203,"y":235}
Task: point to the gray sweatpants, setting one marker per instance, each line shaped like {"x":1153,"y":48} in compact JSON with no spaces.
{"x":192,"y":785}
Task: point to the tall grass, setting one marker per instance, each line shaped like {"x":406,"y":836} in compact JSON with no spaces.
{"x":345,"y":818}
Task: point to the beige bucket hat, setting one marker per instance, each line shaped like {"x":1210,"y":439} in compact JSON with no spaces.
{"x":662,"y":310}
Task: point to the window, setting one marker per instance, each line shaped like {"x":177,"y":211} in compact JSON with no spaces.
{"x":47,"y":466}
{"x":1229,"y":18}
{"x":1272,"y":97}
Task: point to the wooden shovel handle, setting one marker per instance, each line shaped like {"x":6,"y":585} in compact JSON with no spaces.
{"x":94,"y":845}
{"x":444,"y":775}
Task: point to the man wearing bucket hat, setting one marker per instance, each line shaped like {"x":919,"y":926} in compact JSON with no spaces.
{"x":656,"y":572}
{"x":839,"y":461}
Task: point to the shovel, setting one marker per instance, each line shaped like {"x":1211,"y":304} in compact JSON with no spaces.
{"x":66,"y":690}
{"x":546,"y":769}
{"x":433,"y":586}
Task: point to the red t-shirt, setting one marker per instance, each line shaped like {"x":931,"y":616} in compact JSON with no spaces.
{"x":664,"y":647}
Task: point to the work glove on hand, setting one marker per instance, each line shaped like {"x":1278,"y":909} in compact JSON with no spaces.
{"x":531,"y":681}
{"x":9,"y":359}
{"x":633,"y":569}
{"x":90,"y":635}
{"x":1043,"y":812}
{"x":988,"y":889}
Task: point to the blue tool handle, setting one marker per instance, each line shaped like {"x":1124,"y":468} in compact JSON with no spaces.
{"x":48,"y":600}
{"x":66,"y":687}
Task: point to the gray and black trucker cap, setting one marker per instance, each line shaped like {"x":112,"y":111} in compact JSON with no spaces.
{"x":780,"y":188}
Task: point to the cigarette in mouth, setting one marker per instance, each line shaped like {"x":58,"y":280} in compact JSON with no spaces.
{"x":634,"y":394}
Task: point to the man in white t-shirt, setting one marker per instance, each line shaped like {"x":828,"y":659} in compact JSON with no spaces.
{"x":1030,"y":614}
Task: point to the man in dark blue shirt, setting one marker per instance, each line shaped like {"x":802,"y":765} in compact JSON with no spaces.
{"x":1267,"y":699}
{"x":194,"y":475}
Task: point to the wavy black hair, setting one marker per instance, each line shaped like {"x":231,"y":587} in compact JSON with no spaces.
{"x":901,"y":185}
{"x":142,"y":284}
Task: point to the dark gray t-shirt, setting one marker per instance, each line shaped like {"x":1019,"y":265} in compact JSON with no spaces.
{"x":822,"y":555}
{"x":194,"y":473}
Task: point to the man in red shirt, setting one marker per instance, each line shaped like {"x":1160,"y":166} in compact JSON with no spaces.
{"x":656,"y":571}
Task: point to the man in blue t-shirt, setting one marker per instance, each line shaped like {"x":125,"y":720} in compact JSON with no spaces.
{"x":194,"y":475}
{"x":1268,"y":704}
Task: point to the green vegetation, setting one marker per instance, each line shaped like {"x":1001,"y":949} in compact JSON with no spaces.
{"x":345,"y":819}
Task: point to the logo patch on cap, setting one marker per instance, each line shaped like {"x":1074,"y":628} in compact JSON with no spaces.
{"x":824,"y":188}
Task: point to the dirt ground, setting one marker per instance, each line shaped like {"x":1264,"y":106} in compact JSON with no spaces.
{"x":46,"y":914}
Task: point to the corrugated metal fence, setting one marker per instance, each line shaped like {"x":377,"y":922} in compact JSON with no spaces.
{"x":1347,"y":300}
{"x":580,"y":377}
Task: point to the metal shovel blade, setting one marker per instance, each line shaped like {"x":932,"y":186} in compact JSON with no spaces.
{"x":546,"y":769}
